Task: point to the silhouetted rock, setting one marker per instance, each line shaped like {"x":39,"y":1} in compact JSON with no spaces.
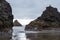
{"x":49,"y":19}
{"x":16,"y":23}
{"x":6,"y":18}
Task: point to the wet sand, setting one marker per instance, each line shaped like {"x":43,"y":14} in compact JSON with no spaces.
{"x":5,"y":36}
{"x":43,"y":36}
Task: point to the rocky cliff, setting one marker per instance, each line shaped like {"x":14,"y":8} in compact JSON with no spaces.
{"x":50,"y":18}
{"x":6,"y":20}
{"x":6,"y":17}
{"x":16,"y":23}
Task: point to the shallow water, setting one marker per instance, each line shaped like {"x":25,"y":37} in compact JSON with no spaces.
{"x":20,"y":34}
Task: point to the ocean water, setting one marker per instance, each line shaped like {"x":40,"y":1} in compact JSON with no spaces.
{"x":20,"y":34}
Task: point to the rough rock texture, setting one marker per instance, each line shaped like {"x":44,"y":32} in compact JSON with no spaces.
{"x":16,"y":23}
{"x":50,"y":18}
{"x":6,"y":18}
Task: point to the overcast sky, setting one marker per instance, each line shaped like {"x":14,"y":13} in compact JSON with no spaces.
{"x":31,"y":8}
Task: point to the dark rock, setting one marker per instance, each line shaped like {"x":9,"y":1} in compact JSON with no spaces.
{"x":16,"y":23}
{"x":49,"y":19}
{"x":6,"y":17}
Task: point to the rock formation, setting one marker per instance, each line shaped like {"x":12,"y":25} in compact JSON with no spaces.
{"x":6,"y":18}
{"x":16,"y":23}
{"x":50,"y":18}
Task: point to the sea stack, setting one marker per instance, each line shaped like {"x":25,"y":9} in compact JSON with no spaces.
{"x":50,"y":18}
{"x":6,"y":20}
{"x":16,"y":23}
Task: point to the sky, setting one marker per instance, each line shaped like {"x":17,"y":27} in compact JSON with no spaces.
{"x":27,"y":10}
{"x":31,"y":9}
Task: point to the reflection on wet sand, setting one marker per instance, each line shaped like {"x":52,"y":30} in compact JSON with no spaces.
{"x":5,"y":36}
{"x":43,"y":36}
{"x":19,"y":34}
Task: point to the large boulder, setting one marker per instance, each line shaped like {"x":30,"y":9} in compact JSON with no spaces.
{"x":6,"y":20}
{"x":50,"y":18}
{"x":16,"y":23}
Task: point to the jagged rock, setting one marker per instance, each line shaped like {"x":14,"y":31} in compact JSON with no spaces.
{"x":49,"y":19}
{"x":16,"y":23}
{"x":6,"y":18}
